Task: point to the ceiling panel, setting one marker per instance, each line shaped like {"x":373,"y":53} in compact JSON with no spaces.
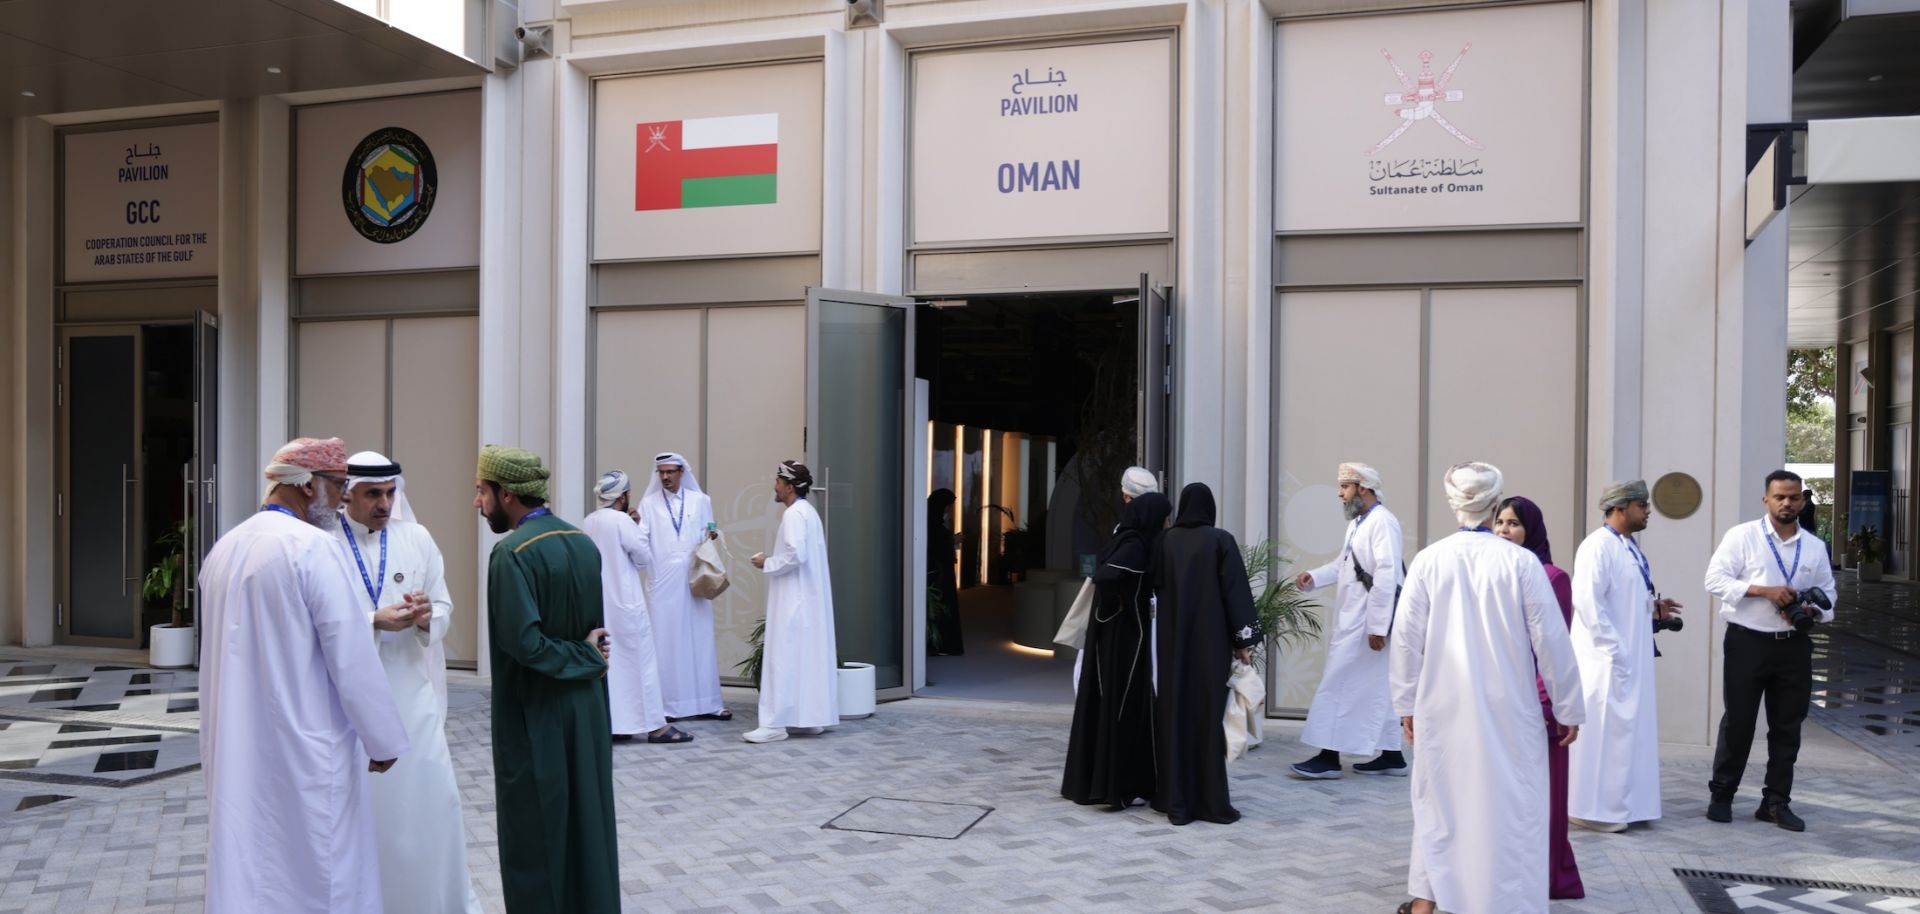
{"x":317,"y":62}
{"x":75,"y":26}
{"x":80,"y":86}
{"x":1838,"y":77}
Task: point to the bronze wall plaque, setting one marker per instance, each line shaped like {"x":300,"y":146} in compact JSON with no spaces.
{"x":1677,"y":495}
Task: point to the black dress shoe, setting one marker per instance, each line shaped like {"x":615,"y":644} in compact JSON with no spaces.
{"x":1779,"y":814}
{"x":1720,"y":810}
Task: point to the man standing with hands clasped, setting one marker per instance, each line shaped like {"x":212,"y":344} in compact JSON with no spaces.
{"x":1761,"y":572}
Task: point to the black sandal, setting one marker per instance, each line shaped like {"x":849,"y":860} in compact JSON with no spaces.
{"x":722,"y":714}
{"x":673,"y":735}
{"x":1406,"y":907}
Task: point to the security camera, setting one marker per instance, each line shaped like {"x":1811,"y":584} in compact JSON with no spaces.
{"x":535,"y":40}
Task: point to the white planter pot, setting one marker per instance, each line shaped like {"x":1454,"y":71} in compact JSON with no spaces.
{"x":170,"y":646}
{"x":856,"y":690}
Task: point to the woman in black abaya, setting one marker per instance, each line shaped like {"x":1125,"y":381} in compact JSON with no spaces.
{"x":1206,"y":618}
{"x":1110,"y":752}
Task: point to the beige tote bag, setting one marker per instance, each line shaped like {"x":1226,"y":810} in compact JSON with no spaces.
{"x":1073,"y":629}
{"x":707,"y":578}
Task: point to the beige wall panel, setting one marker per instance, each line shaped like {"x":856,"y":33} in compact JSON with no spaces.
{"x":756,"y":405}
{"x":646,"y":390}
{"x":1505,"y":364}
{"x":342,"y":390}
{"x":1347,"y":368}
{"x":436,"y":414}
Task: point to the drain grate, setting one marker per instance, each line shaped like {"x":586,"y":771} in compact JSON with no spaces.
{"x":913,"y":818}
{"x":1740,"y":893}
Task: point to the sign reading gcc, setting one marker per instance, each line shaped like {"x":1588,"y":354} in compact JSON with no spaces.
{"x":1053,"y":142}
{"x":141,"y":203}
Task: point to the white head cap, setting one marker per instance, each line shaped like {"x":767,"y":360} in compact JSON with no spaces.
{"x":1367,"y":477}
{"x":1138,"y":481}
{"x":1473,"y":489}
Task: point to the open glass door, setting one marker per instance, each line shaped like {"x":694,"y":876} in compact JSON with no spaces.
{"x":203,"y":512}
{"x":101,"y":524}
{"x":1156,"y":378}
{"x":860,"y":447}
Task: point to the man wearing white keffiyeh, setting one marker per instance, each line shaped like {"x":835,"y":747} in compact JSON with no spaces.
{"x":677,"y":517}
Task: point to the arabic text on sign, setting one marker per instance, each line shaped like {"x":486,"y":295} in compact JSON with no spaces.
{"x":1382,"y":170}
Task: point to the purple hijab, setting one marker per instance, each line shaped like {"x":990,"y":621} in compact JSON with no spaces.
{"x":1535,"y":524}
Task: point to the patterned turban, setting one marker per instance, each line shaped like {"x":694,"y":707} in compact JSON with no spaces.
{"x":1138,"y":481}
{"x":1367,"y":477}
{"x":611,"y":486}
{"x":797,"y":474}
{"x":1623,"y":493}
{"x":1473,"y":489}
{"x":516,"y":470}
{"x":296,"y":461}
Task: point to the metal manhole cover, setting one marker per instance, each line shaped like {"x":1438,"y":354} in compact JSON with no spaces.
{"x":914,"y":818}
{"x":1740,"y":893}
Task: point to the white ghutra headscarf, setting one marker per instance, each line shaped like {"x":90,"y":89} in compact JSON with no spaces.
{"x":371,"y":468}
{"x":687,"y":482}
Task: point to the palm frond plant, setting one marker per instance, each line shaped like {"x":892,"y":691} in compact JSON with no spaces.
{"x":167,"y":581}
{"x":750,"y":667}
{"x":1286,"y":615}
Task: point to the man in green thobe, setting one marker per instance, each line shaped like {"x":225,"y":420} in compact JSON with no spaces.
{"x":552,"y":749}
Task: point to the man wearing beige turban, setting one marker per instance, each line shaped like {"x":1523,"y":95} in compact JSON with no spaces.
{"x":552,"y":739}
{"x":1482,"y":609}
{"x":1352,"y":710}
{"x":294,"y":705}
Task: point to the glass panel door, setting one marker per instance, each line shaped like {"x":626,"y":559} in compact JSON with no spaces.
{"x":100,"y":520}
{"x":202,"y":496}
{"x":1156,"y":377}
{"x":859,"y":445}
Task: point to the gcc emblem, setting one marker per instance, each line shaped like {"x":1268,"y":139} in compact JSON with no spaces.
{"x":389,"y":185}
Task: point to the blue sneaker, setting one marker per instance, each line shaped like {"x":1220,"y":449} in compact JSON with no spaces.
{"x":1318,"y":769}
{"x":1393,"y":766}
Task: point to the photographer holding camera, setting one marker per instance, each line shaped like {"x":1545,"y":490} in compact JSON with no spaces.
{"x":1774,"y":584}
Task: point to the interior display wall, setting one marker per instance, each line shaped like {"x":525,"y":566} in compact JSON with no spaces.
{"x":408,"y":388}
{"x":728,"y":391}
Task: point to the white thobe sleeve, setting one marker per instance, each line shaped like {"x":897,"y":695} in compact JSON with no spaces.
{"x":1383,"y":543}
{"x":634,"y":542}
{"x":437,"y":593}
{"x":1592,"y":568}
{"x":1552,"y":648}
{"x":353,"y":663}
{"x":1727,"y":570}
{"x":788,"y":552}
{"x":1409,"y":641}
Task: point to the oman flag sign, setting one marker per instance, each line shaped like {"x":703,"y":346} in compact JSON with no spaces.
{"x":707,"y":161}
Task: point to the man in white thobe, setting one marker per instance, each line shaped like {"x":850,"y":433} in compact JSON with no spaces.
{"x":1352,"y":711}
{"x":634,"y":704}
{"x":1613,"y":776}
{"x":678,"y":516}
{"x":401,"y":579}
{"x":799,"y":670}
{"x":294,"y":708}
{"x":1481,"y":609}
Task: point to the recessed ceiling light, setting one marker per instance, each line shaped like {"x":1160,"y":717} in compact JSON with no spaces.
{"x":273,"y":70}
{"x":1875,"y":78}
{"x":27,"y":92}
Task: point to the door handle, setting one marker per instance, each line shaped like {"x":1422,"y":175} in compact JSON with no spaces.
{"x":187,"y":538}
{"x":125,"y":481}
{"x":826,"y":497}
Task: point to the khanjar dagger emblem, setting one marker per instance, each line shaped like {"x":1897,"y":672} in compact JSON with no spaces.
{"x":1421,"y":95}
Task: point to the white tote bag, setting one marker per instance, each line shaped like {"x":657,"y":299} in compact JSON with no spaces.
{"x":707,"y":578}
{"x":1244,"y":700}
{"x":1073,"y":629}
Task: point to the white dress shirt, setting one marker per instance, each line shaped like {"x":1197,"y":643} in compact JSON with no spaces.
{"x":1746,"y":558}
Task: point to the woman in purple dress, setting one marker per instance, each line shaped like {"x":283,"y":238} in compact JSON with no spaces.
{"x":1519,"y":521}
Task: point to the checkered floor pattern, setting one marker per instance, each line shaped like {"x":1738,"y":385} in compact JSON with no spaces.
{"x":83,"y":724}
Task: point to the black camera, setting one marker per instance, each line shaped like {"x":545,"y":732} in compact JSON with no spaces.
{"x":1802,"y":614}
{"x":1673,"y":624}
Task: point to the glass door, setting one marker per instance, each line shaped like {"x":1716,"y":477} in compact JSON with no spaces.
{"x":100,"y":521}
{"x":203,"y":504}
{"x":1151,"y":415}
{"x":860,"y":447}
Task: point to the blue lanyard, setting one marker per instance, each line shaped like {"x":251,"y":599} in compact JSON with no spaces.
{"x":1476,"y":529}
{"x":1646,"y":570}
{"x":373,"y":584}
{"x":283,"y":509}
{"x":1797,"y":543}
{"x":1346,"y":550}
{"x":677,"y":521}
{"x":530,"y":515}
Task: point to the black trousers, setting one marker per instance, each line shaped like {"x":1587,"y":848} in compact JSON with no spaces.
{"x":1778,"y":672}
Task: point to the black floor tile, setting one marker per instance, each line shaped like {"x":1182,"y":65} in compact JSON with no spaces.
{"x":55,"y":695}
{"x":127,"y":761}
{"x":39,"y":800}
{"x":103,"y":741}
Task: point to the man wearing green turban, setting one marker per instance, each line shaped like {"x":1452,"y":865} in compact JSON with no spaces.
{"x":552,"y":746}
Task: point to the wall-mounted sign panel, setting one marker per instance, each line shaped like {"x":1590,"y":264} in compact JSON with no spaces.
{"x":1423,"y":120}
{"x":708,"y":163}
{"x":387,"y":185}
{"x":141,"y":204}
{"x":1049,"y":142}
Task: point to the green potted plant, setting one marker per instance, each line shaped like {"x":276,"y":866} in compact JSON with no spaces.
{"x":170,"y":644}
{"x":1866,"y":546}
{"x":757,"y":640}
{"x":1286,"y":615}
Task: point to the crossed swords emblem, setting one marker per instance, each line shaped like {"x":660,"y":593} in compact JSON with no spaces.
{"x":1421,"y":94}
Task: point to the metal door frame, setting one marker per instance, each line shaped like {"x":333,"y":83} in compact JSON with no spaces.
{"x":133,"y":550}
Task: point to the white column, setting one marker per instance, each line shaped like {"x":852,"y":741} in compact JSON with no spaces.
{"x":567,"y":307}
{"x":1201,"y":375}
{"x":11,"y":533}
{"x":502,"y":186}
{"x":256,"y":330}
{"x":1249,"y":280}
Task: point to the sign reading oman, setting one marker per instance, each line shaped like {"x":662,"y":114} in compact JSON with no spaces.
{"x":1450,"y":118}
{"x":1048,"y":142}
{"x":141,"y":204}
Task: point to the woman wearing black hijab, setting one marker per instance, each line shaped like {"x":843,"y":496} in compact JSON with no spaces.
{"x":943,"y":597}
{"x":1110,"y":752}
{"x":1206,"y":618}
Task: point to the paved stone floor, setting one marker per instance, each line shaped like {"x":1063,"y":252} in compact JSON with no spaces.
{"x":719,"y":825}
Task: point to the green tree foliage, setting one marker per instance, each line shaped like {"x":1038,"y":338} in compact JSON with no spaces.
{"x":1810,"y":383}
{"x":1810,"y":437}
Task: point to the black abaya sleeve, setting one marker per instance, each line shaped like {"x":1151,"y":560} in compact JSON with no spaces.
{"x":1127,"y":555}
{"x":1243,"y":623}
